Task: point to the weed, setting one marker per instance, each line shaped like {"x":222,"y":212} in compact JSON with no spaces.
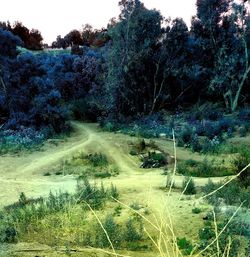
{"x":118,"y":210}
{"x":114,"y":192}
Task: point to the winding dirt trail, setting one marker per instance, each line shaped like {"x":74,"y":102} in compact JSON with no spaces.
{"x":25,"y":173}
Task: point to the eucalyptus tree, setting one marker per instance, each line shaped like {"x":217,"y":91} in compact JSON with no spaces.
{"x":130,"y":77}
{"x":232,"y":65}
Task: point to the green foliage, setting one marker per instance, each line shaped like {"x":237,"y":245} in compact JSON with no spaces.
{"x":133,"y":152}
{"x":133,"y":231}
{"x":102,"y":174}
{"x":97,"y":159}
{"x":112,"y":229}
{"x":8,"y":232}
{"x":196,"y":210}
{"x":188,"y":186}
{"x":114,"y":192}
{"x":203,"y":169}
{"x":128,"y":79}
{"x":153,"y":160}
{"x":231,"y":234}
{"x":185,"y":136}
{"x":242,"y":131}
{"x":17,"y":219}
{"x":231,"y":194}
{"x":185,"y":245}
{"x":91,"y":194}
{"x":240,"y":162}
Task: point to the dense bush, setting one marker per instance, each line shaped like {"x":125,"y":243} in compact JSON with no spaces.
{"x":188,"y":186}
{"x":231,"y":194}
{"x":185,"y":245}
{"x":240,"y":162}
{"x":204,"y":168}
{"x":231,"y":234}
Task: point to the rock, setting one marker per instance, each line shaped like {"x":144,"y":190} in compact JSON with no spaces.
{"x":162,"y":135}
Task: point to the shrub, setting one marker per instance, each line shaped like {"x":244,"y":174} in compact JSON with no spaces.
{"x":153,"y":160}
{"x":240,"y":162}
{"x":185,"y":136}
{"x":91,"y":194}
{"x":196,"y":210}
{"x":242,"y":131}
{"x":244,"y":114}
{"x":102,"y":174}
{"x":135,"y":206}
{"x":207,"y":235}
{"x":113,"y":231}
{"x":98,"y":159}
{"x":133,"y":231}
{"x":203,"y":169}
{"x":109,"y":126}
{"x":185,"y":245}
{"x":133,"y":152}
{"x":8,"y":232}
{"x":195,"y":144}
{"x":211,"y":145}
{"x":231,"y":194}
{"x":140,"y":145}
{"x":114,"y":192}
{"x":188,"y":186}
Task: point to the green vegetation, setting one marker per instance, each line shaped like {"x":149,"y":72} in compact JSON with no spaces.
{"x":94,"y":165}
{"x":231,"y":194}
{"x":204,"y":168}
{"x":237,"y":233}
{"x":185,"y":245}
{"x":196,"y":210}
{"x":64,"y":214}
{"x":241,"y":161}
{"x":188,"y":186}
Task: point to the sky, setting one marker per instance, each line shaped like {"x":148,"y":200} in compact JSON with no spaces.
{"x":58,"y":17}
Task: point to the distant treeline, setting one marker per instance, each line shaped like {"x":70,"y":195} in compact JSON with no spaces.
{"x":140,"y":64}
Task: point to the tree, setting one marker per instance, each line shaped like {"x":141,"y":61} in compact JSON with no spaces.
{"x":232,"y":64}
{"x":206,"y":34}
{"x":134,"y":38}
{"x":73,"y":38}
{"x":170,"y":60}
{"x":59,"y":43}
{"x":8,"y":53}
{"x":32,"y":39}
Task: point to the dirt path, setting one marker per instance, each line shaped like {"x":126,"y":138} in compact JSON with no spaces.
{"x":25,"y":173}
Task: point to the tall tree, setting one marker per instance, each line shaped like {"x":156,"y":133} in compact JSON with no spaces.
{"x":130,"y":76}
{"x":232,"y":65}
